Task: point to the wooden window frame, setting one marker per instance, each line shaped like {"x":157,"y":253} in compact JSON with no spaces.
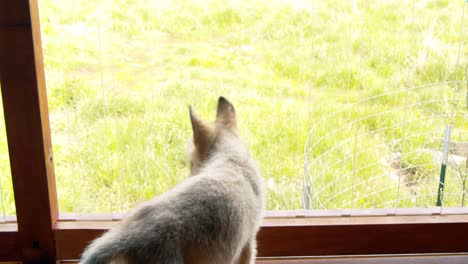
{"x":41,"y":235}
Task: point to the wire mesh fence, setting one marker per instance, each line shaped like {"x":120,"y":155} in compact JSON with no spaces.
{"x":397,"y":147}
{"x":380,"y":158}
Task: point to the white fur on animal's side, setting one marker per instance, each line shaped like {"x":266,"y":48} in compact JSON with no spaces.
{"x":210,"y":218}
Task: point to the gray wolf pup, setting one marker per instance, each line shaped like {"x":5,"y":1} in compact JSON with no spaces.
{"x":210,"y":218}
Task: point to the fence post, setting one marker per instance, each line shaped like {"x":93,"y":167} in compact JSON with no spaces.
{"x":443,"y":168}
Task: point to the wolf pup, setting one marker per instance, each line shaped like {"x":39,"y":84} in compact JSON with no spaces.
{"x":210,"y":218}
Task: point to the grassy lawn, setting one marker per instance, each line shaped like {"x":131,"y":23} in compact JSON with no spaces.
{"x":121,"y":74}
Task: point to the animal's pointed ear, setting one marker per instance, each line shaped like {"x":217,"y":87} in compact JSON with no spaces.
{"x":226,"y":114}
{"x":203,"y":133}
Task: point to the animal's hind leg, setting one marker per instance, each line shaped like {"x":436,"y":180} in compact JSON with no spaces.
{"x":176,"y":259}
{"x":248,"y":253}
{"x":172,"y":256}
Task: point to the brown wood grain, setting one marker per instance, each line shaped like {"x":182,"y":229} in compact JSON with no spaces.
{"x":318,"y":236}
{"x":363,"y":239}
{"x":461,"y":258}
{"x":285,"y":218}
{"x":27,"y":126}
{"x":392,"y":259}
{"x":9,"y":246}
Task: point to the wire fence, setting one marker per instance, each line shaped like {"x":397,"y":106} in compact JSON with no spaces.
{"x":370,"y":162}
{"x":398,"y":148}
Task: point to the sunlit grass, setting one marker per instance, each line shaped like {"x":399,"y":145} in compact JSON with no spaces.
{"x":7,"y":206}
{"x":121,"y":74}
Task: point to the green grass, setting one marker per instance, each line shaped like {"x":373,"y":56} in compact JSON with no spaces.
{"x":121,"y":74}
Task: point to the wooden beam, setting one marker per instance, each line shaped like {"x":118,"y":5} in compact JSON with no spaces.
{"x":376,"y":259}
{"x":461,"y":258}
{"x":27,"y":126}
{"x":9,"y":249}
{"x":311,"y":236}
{"x":326,"y":214}
{"x":363,"y":238}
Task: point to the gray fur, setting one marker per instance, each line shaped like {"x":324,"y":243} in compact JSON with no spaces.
{"x":210,"y":218}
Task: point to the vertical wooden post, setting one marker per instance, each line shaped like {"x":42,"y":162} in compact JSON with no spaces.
{"x":27,"y":123}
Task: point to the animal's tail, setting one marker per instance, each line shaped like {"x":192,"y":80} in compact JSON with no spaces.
{"x":125,"y":246}
{"x":104,"y":249}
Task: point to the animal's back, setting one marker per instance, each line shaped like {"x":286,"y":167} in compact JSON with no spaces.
{"x":204,"y":214}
